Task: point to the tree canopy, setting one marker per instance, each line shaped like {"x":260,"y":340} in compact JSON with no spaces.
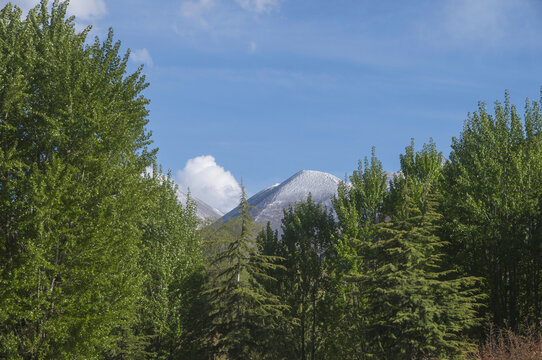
{"x":76,"y":212}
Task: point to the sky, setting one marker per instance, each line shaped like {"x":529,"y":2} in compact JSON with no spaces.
{"x":252,"y":91}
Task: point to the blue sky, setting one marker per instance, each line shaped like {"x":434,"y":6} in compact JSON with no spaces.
{"x":264,"y":88}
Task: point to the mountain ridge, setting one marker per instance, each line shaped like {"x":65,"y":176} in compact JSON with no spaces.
{"x":203,"y":210}
{"x":268,"y":204}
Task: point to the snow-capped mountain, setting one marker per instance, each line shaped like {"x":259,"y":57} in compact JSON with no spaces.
{"x":203,"y":210}
{"x":269,"y":203}
{"x":391,"y":175}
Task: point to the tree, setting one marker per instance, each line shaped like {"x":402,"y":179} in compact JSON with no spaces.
{"x":73,"y":146}
{"x":268,"y":241}
{"x":308,"y":239}
{"x":492,"y":206}
{"x":242,"y":310}
{"x":359,"y":204}
{"x":359,"y":207}
{"x":170,"y":264}
{"x":415,"y":308}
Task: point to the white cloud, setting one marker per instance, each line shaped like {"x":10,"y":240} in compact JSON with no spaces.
{"x":210,"y":182}
{"x":216,"y":20}
{"x":141,"y":56}
{"x":87,"y":9}
{"x":81,"y":9}
{"x":149,"y":171}
{"x":25,"y":5}
{"x":195,"y":11}
{"x":259,"y":6}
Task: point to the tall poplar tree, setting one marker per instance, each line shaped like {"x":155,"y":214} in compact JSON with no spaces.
{"x":170,"y":261}
{"x":73,"y":146}
{"x":359,"y":207}
{"x":492,"y":208}
{"x":308,"y":249}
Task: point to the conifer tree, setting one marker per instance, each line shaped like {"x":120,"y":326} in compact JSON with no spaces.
{"x":268,"y":241}
{"x":415,"y":308}
{"x":242,"y":310}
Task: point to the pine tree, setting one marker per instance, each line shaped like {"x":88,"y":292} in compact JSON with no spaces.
{"x":415,"y":307}
{"x":268,"y":241}
{"x":242,"y":310}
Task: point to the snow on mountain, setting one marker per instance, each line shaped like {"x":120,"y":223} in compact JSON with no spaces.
{"x":203,"y":210}
{"x":269,"y":203}
{"x":391,"y":175}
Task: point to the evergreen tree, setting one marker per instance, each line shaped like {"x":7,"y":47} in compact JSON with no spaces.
{"x":415,"y":308}
{"x":242,"y":310}
{"x":268,"y":241}
{"x":280,"y":342}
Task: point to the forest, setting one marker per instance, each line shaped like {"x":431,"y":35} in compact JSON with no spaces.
{"x":99,"y":259}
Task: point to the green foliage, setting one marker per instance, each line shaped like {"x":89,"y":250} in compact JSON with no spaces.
{"x":305,"y":284}
{"x":359,"y":204}
{"x":268,"y":240}
{"x":171,"y":263}
{"x":359,"y":208}
{"x":100,"y":260}
{"x":243,"y":312}
{"x":415,"y":308}
{"x":73,"y":147}
{"x":492,"y":208}
{"x":421,"y":174}
{"x":401,"y":301}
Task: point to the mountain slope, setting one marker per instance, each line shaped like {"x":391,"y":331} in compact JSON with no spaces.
{"x":203,"y":210}
{"x":269,"y":203}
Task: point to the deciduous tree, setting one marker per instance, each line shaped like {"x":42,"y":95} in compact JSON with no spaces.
{"x":73,"y":146}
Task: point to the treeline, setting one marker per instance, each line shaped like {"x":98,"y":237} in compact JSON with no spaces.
{"x":373,"y":284}
{"x":423,"y":265}
{"x":98,"y":259}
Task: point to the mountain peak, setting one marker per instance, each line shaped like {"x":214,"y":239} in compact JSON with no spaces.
{"x":300,"y":172}
{"x":268,"y":204}
{"x":310,"y":173}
